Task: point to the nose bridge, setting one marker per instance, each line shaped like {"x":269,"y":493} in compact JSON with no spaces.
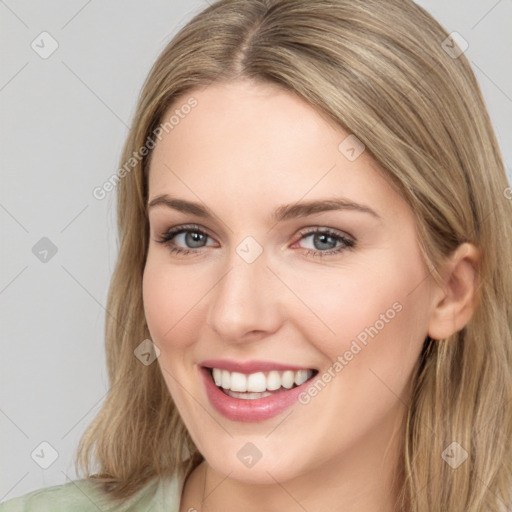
{"x":244,"y":299}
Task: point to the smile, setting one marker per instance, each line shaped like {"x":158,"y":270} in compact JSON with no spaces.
{"x":259,"y":384}
{"x":256,"y":396}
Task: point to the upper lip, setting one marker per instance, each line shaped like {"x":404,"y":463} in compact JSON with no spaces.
{"x":250,"y":366}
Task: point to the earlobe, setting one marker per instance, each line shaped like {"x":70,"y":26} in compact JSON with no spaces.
{"x":455,"y":303}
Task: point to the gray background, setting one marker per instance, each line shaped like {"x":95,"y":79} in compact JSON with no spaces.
{"x":64,"y":120}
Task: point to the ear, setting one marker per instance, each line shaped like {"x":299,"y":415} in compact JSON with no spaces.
{"x":455,"y":299}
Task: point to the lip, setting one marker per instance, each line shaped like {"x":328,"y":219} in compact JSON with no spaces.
{"x":250,"y":366}
{"x":259,"y":409}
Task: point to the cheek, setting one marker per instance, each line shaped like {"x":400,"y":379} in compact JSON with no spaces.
{"x":371,"y":315}
{"x":175,"y":304}
{"x":168,"y":299}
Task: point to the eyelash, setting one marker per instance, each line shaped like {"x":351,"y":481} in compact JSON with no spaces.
{"x":167,"y":237}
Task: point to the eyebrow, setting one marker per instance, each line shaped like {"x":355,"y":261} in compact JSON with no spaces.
{"x":283,"y":212}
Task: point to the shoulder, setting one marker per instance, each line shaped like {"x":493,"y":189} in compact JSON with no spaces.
{"x":158,"y":495}
{"x":78,"y":495}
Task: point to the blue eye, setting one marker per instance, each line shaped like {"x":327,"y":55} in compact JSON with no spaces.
{"x":327,"y":237}
{"x":325,"y":241}
{"x":193,"y":236}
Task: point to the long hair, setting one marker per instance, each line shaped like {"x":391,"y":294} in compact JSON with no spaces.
{"x":387,"y":72}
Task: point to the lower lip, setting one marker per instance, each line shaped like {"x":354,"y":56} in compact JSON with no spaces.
{"x":258,"y":409}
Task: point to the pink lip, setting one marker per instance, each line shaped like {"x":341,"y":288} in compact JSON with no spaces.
{"x":260,"y":409}
{"x":249,"y":366}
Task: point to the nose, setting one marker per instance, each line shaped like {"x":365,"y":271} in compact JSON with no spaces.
{"x":245,"y":304}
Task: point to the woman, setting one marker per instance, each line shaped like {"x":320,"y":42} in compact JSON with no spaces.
{"x":311,"y":305}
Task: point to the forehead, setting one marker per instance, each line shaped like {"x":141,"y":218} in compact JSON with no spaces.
{"x":249,"y":144}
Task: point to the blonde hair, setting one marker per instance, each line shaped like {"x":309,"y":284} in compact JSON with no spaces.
{"x":380,"y":69}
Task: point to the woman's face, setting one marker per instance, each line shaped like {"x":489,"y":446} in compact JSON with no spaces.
{"x":257,"y":284}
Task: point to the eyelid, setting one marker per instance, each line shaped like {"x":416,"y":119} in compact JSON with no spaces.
{"x":326,"y":229}
{"x":176,"y":230}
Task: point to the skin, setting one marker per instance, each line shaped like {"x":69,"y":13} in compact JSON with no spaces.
{"x":244,"y":150}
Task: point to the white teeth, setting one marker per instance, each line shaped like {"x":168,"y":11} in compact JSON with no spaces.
{"x":288,"y":379}
{"x":217,"y":376}
{"x":238,"y":382}
{"x":301,"y":376}
{"x":259,"y":382}
{"x":247,"y":396}
{"x":256,"y":382}
{"x":226,"y":379}
{"x":273,"y":380}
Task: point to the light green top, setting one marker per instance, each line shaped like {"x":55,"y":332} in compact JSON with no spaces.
{"x":84,"y":496}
